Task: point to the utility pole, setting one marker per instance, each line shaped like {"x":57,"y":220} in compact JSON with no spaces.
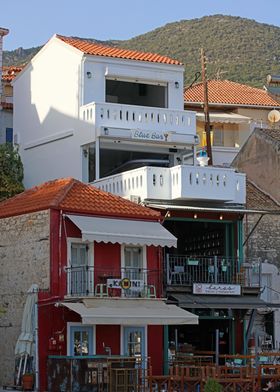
{"x":206,"y":108}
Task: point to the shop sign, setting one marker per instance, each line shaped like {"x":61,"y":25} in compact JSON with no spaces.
{"x":216,"y":289}
{"x":125,"y":284}
{"x":149,"y":135}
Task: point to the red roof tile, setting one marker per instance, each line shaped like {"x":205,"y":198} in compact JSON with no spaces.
{"x":230,"y":93}
{"x":110,"y":51}
{"x":257,"y":199}
{"x":71,"y":195}
{"x":9,"y":73}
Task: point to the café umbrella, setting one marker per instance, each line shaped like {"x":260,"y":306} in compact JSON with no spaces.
{"x":25,"y":343}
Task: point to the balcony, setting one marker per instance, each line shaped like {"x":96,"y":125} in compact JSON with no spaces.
{"x":184,"y":270}
{"x":87,"y":281}
{"x":141,"y":123}
{"x":178,"y":182}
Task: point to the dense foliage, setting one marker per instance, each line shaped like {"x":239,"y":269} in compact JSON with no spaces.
{"x":11,"y":171}
{"x":238,"y":49}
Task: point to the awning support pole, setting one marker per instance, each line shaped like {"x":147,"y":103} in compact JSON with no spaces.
{"x":217,"y":343}
{"x":249,"y":329}
{"x":165,"y":350}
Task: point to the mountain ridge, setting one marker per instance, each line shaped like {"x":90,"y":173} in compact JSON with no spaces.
{"x":237,"y":48}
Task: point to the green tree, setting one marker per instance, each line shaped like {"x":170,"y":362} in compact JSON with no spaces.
{"x":11,"y":171}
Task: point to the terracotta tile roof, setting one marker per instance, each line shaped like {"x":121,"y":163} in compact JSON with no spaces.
{"x":71,"y":195}
{"x":230,"y":93}
{"x":110,"y":51}
{"x":9,"y":73}
{"x":258,"y":200}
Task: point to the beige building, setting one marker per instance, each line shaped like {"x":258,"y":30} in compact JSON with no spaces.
{"x":235,"y":110}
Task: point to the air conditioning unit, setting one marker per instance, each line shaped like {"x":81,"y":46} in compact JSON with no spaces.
{"x":135,"y":199}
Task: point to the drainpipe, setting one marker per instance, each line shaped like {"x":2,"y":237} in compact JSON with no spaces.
{"x":37,"y":348}
{"x":97,"y":158}
{"x":3,"y":32}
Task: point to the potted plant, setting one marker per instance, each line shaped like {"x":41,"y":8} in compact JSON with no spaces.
{"x":212,"y":385}
{"x":27,"y":381}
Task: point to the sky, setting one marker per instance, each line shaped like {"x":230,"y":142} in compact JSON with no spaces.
{"x":33,"y":22}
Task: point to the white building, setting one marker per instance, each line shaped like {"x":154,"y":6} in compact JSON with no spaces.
{"x":89,"y":111}
{"x":83,"y":100}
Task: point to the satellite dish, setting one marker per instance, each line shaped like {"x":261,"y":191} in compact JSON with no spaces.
{"x":274,"y":116}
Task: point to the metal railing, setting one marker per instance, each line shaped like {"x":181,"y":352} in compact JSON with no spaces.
{"x":123,"y":282}
{"x":186,"y":270}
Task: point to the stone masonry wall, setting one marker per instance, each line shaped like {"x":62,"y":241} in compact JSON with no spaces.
{"x":264,"y":242}
{"x":24,"y":260}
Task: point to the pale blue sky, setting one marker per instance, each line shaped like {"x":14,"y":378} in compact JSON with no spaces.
{"x":33,"y":22}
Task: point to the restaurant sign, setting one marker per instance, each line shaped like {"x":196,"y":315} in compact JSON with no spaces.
{"x":216,"y":289}
{"x":157,"y":136}
{"x":125,"y":284}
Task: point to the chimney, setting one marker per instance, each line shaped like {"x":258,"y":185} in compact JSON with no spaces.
{"x":3,"y":32}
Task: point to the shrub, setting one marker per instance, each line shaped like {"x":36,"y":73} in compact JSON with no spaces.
{"x":212,"y":386}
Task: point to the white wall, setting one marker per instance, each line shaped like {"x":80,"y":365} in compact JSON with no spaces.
{"x":141,"y":71}
{"x":47,"y":98}
{"x":46,"y":103}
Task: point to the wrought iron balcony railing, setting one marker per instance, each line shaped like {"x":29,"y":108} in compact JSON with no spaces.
{"x":87,"y":280}
{"x":186,"y":270}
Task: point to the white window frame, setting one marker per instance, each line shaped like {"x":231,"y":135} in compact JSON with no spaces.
{"x":74,"y":240}
{"x":76,"y":324}
{"x":144,"y":254}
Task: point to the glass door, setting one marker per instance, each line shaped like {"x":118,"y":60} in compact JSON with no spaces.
{"x":79,"y":272}
{"x":134,"y":342}
{"x":81,"y":341}
{"x":133,"y":270}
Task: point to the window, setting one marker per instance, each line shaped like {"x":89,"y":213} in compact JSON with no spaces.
{"x":9,"y":135}
{"x":81,"y":340}
{"x":80,"y":269}
{"x":79,"y":254}
{"x":133,"y":262}
{"x":134,"y":341}
{"x":134,"y":269}
{"x":134,"y":93}
{"x":218,"y":137}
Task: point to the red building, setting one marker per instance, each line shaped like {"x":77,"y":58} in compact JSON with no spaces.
{"x":99,"y":270}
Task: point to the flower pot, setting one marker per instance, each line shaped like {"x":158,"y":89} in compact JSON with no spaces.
{"x":27,"y":382}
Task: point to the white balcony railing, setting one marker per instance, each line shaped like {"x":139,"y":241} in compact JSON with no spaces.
{"x":160,"y":124}
{"x":178,"y":182}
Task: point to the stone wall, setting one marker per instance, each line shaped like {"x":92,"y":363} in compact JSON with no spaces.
{"x":260,"y":160}
{"x":264,"y":242}
{"x":24,"y":260}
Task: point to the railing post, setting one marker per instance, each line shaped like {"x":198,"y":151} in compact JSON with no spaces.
{"x":167,"y":269}
{"x":260,"y":273}
{"x":215,"y":269}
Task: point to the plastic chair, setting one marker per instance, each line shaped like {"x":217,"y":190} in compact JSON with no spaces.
{"x":150,"y":291}
{"x":101,"y":290}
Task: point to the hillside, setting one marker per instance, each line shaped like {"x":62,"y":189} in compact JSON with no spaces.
{"x":238,"y":49}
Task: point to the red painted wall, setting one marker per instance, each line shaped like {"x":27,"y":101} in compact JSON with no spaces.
{"x":52,"y":323}
{"x":155,"y":347}
{"x":52,"y":320}
{"x":110,"y":335}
